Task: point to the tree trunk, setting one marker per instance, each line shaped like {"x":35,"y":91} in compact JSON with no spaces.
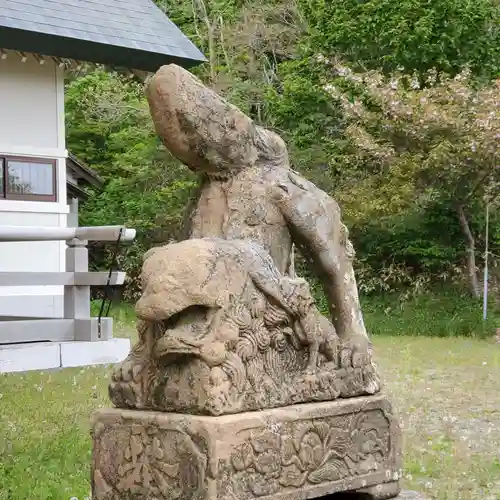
{"x":471,"y":256}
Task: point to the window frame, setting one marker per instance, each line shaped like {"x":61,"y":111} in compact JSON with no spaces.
{"x":5,"y":195}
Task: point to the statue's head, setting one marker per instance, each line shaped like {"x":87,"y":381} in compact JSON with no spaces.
{"x":206,"y":132}
{"x":189,"y":288}
{"x":202,"y":294}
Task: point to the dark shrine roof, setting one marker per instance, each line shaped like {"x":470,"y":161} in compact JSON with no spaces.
{"x":133,"y":34}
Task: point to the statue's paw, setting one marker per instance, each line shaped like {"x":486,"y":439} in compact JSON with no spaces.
{"x":356,"y":358}
{"x":355,"y":353}
{"x":279,"y":193}
{"x":127,"y":383}
{"x":372,"y":383}
{"x":127,"y":370}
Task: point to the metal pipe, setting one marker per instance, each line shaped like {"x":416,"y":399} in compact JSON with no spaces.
{"x":486,"y":251}
{"x":34,"y":233}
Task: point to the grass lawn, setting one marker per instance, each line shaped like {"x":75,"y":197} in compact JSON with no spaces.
{"x":446,"y":391}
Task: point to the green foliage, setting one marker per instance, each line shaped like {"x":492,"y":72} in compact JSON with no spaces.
{"x":300,"y":106}
{"x":145,"y":188}
{"x":413,"y":240}
{"x":101,"y":109}
{"x":303,"y":112}
{"x":417,"y":35}
{"x":269,"y":59}
{"x":430,"y":153}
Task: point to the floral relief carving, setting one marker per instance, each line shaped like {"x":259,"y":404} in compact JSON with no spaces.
{"x":164,"y":463}
{"x":313,"y":452}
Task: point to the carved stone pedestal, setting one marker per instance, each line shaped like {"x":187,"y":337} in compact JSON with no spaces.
{"x":302,"y":451}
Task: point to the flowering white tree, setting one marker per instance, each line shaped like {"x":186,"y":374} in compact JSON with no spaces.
{"x":436,"y":139}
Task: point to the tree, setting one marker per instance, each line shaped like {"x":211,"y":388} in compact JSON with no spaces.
{"x":262,"y":57}
{"x":109,"y":127}
{"x":417,"y":35}
{"x":424,"y":142}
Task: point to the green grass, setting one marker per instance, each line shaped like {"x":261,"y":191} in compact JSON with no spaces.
{"x":443,"y":314}
{"x":446,"y":392}
{"x":444,"y":389}
{"x":123,"y":314}
{"x":45,"y":445}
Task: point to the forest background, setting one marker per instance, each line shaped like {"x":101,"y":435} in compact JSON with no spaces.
{"x":392,"y":108}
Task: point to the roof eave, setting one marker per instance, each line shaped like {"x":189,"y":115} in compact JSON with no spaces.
{"x":84,"y":172}
{"x":88,"y":51}
{"x":74,"y":191}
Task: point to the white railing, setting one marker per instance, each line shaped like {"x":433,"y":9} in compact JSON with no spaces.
{"x":96,"y":233}
{"x":77,"y":323}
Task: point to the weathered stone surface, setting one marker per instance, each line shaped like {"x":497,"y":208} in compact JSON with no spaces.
{"x":201,"y":129}
{"x":225,"y":327}
{"x":231,"y":334}
{"x":249,"y":193}
{"x":302,"y":451}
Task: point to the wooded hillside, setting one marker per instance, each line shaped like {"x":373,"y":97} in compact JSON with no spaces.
{"x":393,"y":108}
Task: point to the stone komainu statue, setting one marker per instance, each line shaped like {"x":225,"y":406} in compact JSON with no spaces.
{"x":226,"y":328}
{"x":252,"y":209}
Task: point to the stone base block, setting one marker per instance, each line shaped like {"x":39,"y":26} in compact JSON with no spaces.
{"x":291,"y":453}
{"x":54,"y":355}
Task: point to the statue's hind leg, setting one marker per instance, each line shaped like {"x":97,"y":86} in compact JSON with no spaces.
{"x":315,"y":222}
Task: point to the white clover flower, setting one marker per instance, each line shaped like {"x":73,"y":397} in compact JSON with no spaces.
{"x":415,"y":84}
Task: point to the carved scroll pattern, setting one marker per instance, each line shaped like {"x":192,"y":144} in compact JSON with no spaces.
{"x":312,"y":452}
{"x":152,"y":463}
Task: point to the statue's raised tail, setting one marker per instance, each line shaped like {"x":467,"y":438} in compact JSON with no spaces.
{"x":199,"y":127}
{"x":205,"y":131}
